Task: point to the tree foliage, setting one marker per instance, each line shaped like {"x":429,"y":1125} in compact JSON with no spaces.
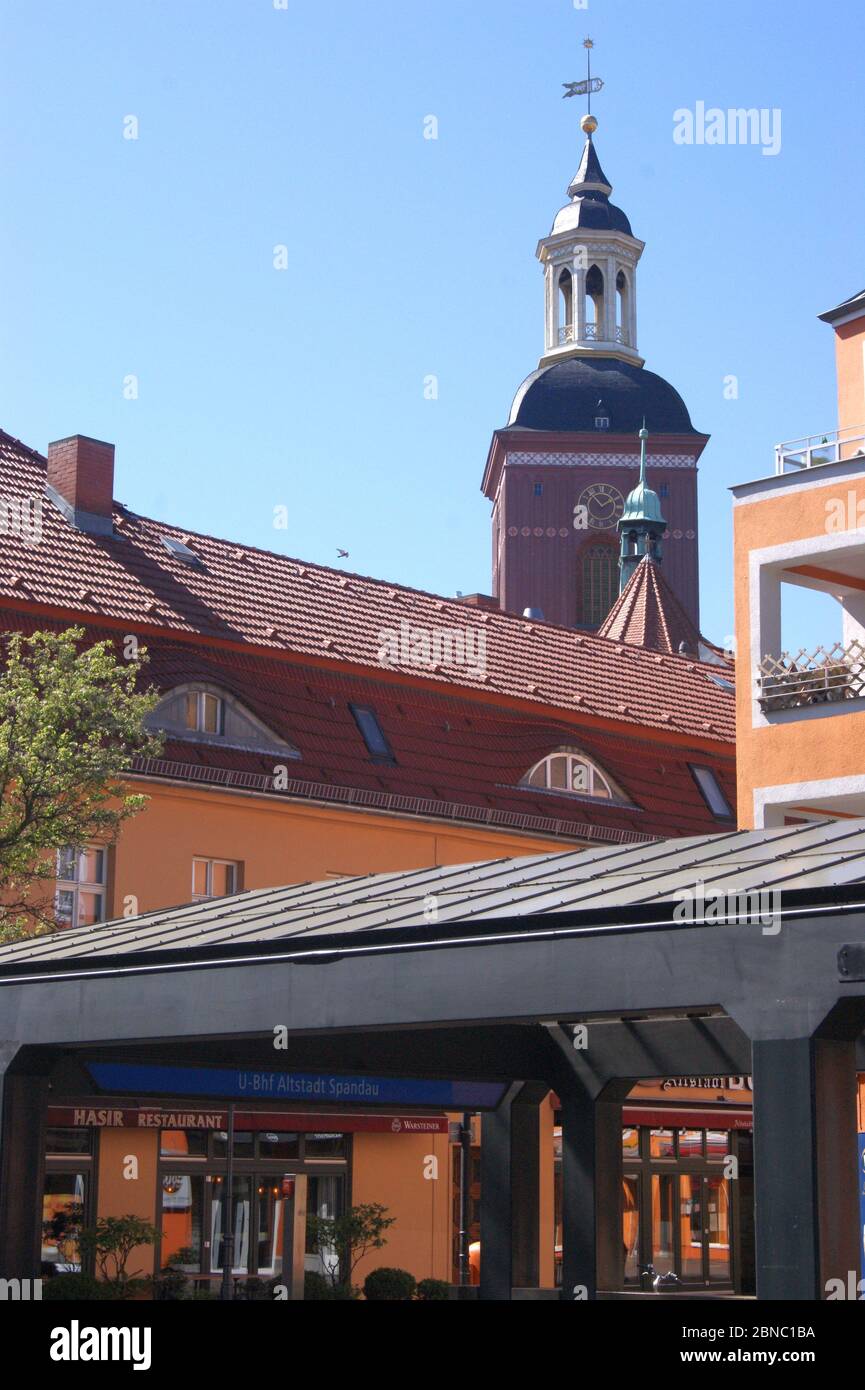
{"x":342,"y":1241}
{"x":109,"y":1243}
{"x":71,"y":721}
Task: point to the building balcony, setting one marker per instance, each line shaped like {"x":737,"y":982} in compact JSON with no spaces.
{"x":592,"y":333}
{"x":812,"y":450}
{"x":821,"y":677}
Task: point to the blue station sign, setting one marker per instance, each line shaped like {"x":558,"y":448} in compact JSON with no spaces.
{"x":307,"y":1087}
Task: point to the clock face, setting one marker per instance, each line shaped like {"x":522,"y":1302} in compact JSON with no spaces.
{"x":604,"y":505}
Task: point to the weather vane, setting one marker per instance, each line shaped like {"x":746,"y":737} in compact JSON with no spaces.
{"x":591,"y":84}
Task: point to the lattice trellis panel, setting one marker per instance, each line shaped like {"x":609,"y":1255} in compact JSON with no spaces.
{"x":820,"y":677}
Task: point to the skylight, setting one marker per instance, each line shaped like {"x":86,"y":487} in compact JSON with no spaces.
{"x":373,"y":736}
{"x":711,"y":792}
{"x":180,"y":551}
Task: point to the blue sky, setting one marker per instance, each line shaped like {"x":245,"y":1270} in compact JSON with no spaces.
{"x":303,"y":127}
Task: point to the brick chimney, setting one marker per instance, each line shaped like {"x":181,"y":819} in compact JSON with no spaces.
{"x":81,"y":481}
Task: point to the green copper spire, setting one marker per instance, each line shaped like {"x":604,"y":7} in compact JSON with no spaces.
{"x":641,"y":524}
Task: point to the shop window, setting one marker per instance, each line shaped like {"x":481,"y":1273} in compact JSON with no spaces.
{"x":182,"y":1220}
{"x":196,"y":1212}
{"x":662,"y":1221}
{"x":677,"y":1206}
{"x":325,"y":1197}
{"x":690,"y":1143}
{"x":325,"y":1146}
{"x":230,"y":1212}
{"x":270,"y":1214}
{"x":662,"y":1144}
{"x":691,"y":1227}
{"x":244,"y":1143}
{"x":214,"y":878}
{"x":631,"y":1227}
{"x":183,"y":1143}
{"x":64,"y":1202}
{"x":79,"y":894}
{"x":630,"y":1143}
{"x":68,"y":1141}
{"x":717,"y":1143}
{"x":279,"y":1145}
{"x":718,"y":1227}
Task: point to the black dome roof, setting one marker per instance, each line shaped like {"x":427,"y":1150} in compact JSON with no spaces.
{"x":565,"y":396}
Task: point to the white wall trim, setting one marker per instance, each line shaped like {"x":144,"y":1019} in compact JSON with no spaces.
{"x":767,"y":799}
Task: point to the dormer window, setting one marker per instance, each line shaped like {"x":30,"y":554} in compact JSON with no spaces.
{"x":202,"y":713}
{"x":205,"y":713}
{"x":602,"y":422}
{"x":573,"y":774}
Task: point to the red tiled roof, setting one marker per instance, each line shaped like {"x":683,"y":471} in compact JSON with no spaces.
{"x":648,"y":614}
{"x":247,"y":598}
{"x":455,"y":757}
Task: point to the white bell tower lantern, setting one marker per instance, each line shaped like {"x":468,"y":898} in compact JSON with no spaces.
{"x":590,"y":270}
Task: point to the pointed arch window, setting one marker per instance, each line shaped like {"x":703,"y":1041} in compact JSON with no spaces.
{"x":566,"y":307}
{"x":572,"y":773}
{"x":594,"y":302}
{"x":623,"y":308}
{"x":600,"y":582}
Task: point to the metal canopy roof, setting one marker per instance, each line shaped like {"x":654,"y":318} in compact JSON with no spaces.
{"x":596,"y":882}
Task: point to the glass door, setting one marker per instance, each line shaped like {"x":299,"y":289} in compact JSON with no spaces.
{"x":238,"y":1210}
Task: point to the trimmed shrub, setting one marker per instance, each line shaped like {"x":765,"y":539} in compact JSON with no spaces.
{"x":315,"y":1286}
{"x":433,"y":1290}
{"x":389,"y":1285}
{"x":170,"y":1284}
{"x":73,"y":1287}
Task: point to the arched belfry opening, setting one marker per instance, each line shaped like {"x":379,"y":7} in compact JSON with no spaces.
{"x":594,"y":302}
{"x":566,"y":307}
{"x":623,"y":307}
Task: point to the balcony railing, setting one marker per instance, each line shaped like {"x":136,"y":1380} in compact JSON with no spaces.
{"x":592,"y":332}
{"x":812,"y":450}
{"x":821,"y":677}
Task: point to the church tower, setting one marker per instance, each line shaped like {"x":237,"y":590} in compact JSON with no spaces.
{"x":558,"y":473}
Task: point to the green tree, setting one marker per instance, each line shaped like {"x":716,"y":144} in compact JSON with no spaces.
{"x":108,"y":1245}
{"x":71,"y":721}
{"x":342,"y":1241}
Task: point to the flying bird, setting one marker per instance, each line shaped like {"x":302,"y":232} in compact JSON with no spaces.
{"x":342,"y":554}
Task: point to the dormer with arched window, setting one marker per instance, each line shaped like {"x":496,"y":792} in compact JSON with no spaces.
{"x":569,"y":772}
{"x":201,"y":712}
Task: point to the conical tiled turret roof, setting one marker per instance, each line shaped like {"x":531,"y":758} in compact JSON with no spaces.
{"x":648,"y":614}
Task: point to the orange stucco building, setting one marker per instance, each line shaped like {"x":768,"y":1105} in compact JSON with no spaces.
{"x":800,"y":713}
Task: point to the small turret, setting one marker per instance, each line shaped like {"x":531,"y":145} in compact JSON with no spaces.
{"x":641,"y":525}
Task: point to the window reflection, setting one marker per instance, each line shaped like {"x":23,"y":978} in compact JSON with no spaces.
{"x":182,"y":1220}
{"x":63,"y":1201}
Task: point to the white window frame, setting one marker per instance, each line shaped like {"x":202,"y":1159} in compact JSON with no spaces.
{"x":201,"y":697}
{"x":596,"y":778}
{"x":207,"y":897}
{"x":75,"y":886}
